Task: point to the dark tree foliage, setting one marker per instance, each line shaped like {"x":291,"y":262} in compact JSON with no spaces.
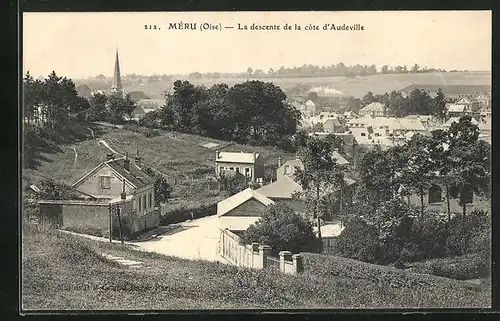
{"x":282,"y":229}
{"x":51,"y":190}
{"x":253,"y":112}
{"x":163,"y":190}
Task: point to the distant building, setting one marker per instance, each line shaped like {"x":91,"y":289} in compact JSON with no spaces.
{"x":251,"y":165}
{"x":374,"y":109}
{"x":333,"y":126}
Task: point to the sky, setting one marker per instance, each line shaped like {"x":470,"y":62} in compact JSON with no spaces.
{"x":79,"y":45}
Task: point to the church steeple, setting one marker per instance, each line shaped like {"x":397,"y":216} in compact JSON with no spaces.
{"x":117,"y":81}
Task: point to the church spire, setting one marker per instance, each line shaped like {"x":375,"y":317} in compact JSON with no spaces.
{"x":117,"y":81}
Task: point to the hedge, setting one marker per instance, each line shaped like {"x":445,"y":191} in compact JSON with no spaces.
{"x":183,"y":214}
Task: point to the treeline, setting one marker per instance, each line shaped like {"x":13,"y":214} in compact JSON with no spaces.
{"x":253,"y":112}
{"x":418,"y":102}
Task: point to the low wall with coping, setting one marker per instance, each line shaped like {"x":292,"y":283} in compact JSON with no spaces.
{"x":255,"y":256}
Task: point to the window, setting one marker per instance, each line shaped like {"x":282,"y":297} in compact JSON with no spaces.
{"x":287,"y":169}
{"x":237,"y":169}
{"x":435,"y":194}
{"x":150,"y":200}
{"x":377,"y":134}
{"x":363,"y":134}
{"x":247,"y":171}
{"x":144,"y":200}
{"x":105,"y":182}
{"x":231,"y":168}
{"x":140,"y":203}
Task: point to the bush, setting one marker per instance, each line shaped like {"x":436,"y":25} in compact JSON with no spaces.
{"x":148,"y":132}
{"x":183,"y":214}
{"x":358,"y":241}
{"x":282,"y":229}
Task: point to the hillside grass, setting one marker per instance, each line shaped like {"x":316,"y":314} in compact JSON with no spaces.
{"x":181,"y":157}
{"x":65,"y":272}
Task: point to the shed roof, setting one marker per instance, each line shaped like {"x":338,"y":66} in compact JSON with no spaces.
{"x":230,"y":203}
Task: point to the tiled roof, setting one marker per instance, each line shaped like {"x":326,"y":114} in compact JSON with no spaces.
{"x":135,"y":176}
{"x":236,"y":200}
{"x":284,"y":187}
{"x":237,"y":157}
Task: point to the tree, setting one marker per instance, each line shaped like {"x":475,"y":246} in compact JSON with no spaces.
{"x":233,"y":182}
{"x":313,"y":96}
{"x":321,"y":176}
{"x":470,"y":162}
{"x":415,"y":68}
{"x":249,"y":71}
{"x":120,"y":106}
{"x":97,"y":110}
{"x":163,"y":190}
{"x":282,"y":229}
{"x":354,"y":104}
{"x":50,"y":190}
{"x":368,"y":99}
{"x":438,"y":105}
{"x":418,"y":173}
{"x":385,"y":69}
{"x":317,"y":128}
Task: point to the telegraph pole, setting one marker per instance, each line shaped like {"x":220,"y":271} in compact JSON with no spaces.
{"x":110,"y":223}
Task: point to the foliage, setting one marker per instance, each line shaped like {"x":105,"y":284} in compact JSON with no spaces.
{"x":252,"y":112}
{"x":50,"y":190}
{"x":183,"y":214}
{"x":233,"y":183}
{"x":358,"y":241}
{"x":163,"y":191}
{"x":282,"y":229}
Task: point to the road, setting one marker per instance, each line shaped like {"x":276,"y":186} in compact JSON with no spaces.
{"x":196,"y":239}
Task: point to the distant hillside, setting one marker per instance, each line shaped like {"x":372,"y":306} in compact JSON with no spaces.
{"x":357,"y":86}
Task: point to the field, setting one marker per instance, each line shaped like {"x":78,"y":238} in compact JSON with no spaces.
{"x":181,"y":157}
{"x":357,"y":87}
{"x":61,"y":271}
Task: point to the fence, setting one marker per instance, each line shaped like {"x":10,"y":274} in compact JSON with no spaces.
{"x":328,"y":244}
{"x":256,"y":256}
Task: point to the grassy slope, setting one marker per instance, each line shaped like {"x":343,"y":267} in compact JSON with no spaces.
{"x":65,"y":272}
{"x":378,"y":84}
{"x":176,"y":155}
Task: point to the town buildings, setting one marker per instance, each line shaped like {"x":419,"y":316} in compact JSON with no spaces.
{"x":374,"y":109}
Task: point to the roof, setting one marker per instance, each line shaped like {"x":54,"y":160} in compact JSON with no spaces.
{"x":456,"y":108}
{"x":119,"y":200}
{"x":375,"y":106}
{"x":237,"y":157}
{"x":138,"y":111}
{"x":410,"y":124}
{"x":463,"y":101}
{"x":135,"y":177}
{"x":294,"y":163}
{"x":456,"y":120}
{"x":236,"y":200}
{"x":332,"y":122}
{"x":296,"y":104}
{"x":151,"y":103}
{"x":350,"y":114}
{"x":340,"y":160}
{"x":34,"y":188}
{"x":284,"y":187}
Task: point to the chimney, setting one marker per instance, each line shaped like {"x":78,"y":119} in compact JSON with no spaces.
{"x":126,"y":163}
{"x":123,"y":195}
{"x":216,"y":155}
{"x":110,"y":156}
{"x":279,"y":161}
{"x":138,"y":159}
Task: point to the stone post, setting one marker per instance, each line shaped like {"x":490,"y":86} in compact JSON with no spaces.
{"x":264,"y":252}
{"x":298,"y":266}
{"x":284,"y":256}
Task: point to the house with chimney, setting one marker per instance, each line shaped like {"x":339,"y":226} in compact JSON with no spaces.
{"x":109,"y":179}
{"x":117,"y":185}
{"x":251,"y":165}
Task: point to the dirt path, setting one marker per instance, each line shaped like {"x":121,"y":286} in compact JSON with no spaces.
{"x":75,"y":160}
